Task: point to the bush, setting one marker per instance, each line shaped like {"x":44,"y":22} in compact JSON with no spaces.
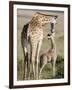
{"x":60,"y":67}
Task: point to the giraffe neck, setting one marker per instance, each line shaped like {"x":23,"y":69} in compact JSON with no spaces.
{"x":46,"y":19}
{"x":53,"y":45}
{"x":42,"y":19}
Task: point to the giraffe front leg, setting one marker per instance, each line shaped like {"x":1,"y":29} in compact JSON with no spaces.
{"x":41,"y":70}
{"x":28,"y":68}
{"x":38,"y":50}
{"x":33,"y":64}
{"x":54,"y":62}
{"x":33,"y":59}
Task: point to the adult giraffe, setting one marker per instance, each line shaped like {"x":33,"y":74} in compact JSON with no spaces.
{"x":33,"y":33}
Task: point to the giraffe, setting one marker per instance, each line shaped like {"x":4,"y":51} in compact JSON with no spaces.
{"x":33,"y":33}
{"x":50,"y":56}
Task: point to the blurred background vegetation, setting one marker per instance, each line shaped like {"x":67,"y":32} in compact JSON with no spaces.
{"x":23,"y":17}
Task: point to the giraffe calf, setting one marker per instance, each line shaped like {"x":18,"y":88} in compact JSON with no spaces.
{"x":50,"y":56}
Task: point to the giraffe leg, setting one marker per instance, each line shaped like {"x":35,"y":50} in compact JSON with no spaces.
{"x":33,"y":59}
{"x":41,"y":70}
{"x":25,"y":63}
{"x":37,"y":61}
{"x":28,"y":68}
{"x":54,"y":62}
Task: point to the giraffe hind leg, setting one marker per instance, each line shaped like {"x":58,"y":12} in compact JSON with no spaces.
{"x":25,"y":52}
{"x":24,"y":42}
{"x":25,"y":63}
{"x":37,"y":58}
{"x":33,"y":60}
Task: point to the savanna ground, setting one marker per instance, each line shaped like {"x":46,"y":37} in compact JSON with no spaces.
{"x":23,"y":17}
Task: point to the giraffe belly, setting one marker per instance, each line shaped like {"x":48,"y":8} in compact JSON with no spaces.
{"x":36,"y":36}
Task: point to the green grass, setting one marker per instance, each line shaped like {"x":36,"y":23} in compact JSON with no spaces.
{"x":47,"y":71}
{"x":20,"y":69}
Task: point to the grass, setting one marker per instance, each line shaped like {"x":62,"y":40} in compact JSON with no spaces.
{"x":20,"y":69}
{"x":47,"y":71}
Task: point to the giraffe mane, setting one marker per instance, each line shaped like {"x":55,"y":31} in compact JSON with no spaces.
{"x":46,"y":14}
